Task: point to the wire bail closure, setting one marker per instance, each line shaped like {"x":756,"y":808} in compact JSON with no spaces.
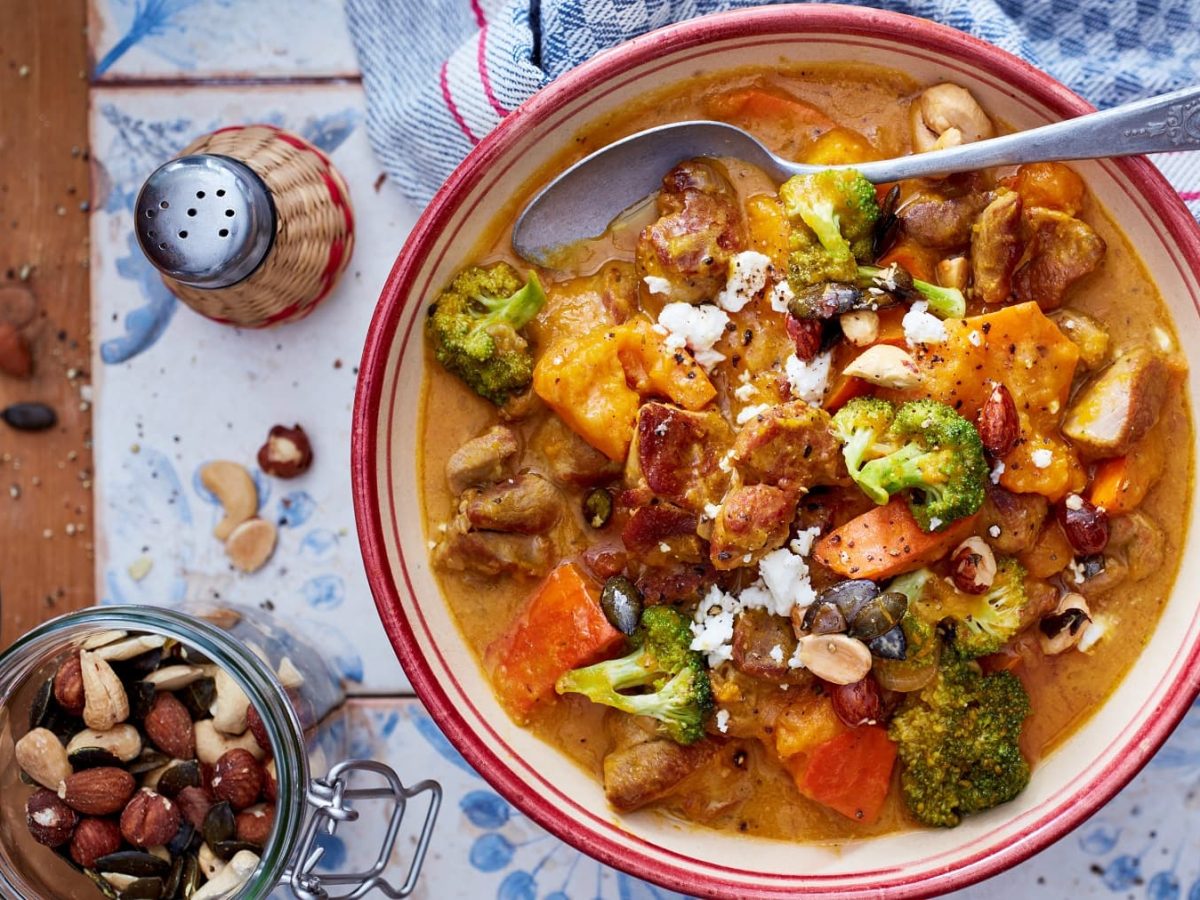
{"x":332,"y":800}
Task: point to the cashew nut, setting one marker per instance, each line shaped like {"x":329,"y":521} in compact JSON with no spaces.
{"x":211,"y":744}
{"x":103,"y":638}
{"x":172,"y":678}
{"x":234,"y":487}
{"x":210,"y":864}
{"x":128,"y":649}
{"x":43,"y":758}
{"x":105,"y":700}
{"x":946,"y":115}
{"x":886,"y":366}
{"x":232,"y":876}
{"x":230,"y":706}
{"x":953,"y":272}
{"x":123,"y":741}
{"x":251,"y":544}
{"x":119,"y":880}
{"x":289,"y":676}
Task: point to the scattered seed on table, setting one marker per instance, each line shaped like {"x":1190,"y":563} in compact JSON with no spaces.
{"x":29,"y":416}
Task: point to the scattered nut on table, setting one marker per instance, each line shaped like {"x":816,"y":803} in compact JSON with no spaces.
{"x":234,"y":488}
{"x":287,"y":452}
{"x":251,"y":544}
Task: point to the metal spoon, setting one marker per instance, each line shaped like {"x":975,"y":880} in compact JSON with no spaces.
{"x":582,"y":201}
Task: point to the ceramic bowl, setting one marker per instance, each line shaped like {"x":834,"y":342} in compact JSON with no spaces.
{"x":1067,"y":787}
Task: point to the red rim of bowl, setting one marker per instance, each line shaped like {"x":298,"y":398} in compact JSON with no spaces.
{"x":1068,"y":811}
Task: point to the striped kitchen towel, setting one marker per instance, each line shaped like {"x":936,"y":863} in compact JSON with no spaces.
{"x":441,"y":74}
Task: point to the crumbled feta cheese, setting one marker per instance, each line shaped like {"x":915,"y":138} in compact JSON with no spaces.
{"x":726,"y":463}
{"x":997,"y":471}
{"x":746,"y":392}
{"x":1074,"y":502}
{"x":808,"y":380}
{"x":1095,"y":630}
{"x":781,"y":295}
{"x":887,"y":277}
{"x":747,"y":558}
{"x":1078,"y":573}
{"x":661,"y":429}
{"x":664,"y":546}
{"x":657,"y":285}
{"x":994,"y":531}
{"x":786,"y":576}
{"x":695,"y":327}
{"x":934,"y":523}
{"x":751,"y":411}
{"x":1042,"y":458}
{"x":711,"y":510}
{"x":776,"y":653}
{"x":803,"y":542}
{"x":975,"y":338}
{"x":921,"y":327}
{"x":796,"y":662}
{"x":748,"y":272}
{"x":722,"y":720}
{"x":712,"y":626}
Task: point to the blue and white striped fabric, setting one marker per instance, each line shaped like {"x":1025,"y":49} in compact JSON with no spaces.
{"x":441,"y":74}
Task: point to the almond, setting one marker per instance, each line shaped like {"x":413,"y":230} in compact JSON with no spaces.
{"x":254,"y":824}
{"x":150,"y":820}
{"x":50,"y":821}
{"x":93,"y":839}
{"x":68,"y":685}
{"x":237,"y":778}
{"x":98,"y":792}
{"x":169,"y":726}
{"x":194,"y":804}
{"x":999,"y":426}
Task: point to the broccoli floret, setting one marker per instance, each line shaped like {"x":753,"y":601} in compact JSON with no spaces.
{"x":959,"y":743}
{"x":474,"y":327}
{"x":944,"y":302}
{"x":927,"y":449}
{"x":984,"y":623}
{"x":833,"y":215}
{"x":680,"y":694}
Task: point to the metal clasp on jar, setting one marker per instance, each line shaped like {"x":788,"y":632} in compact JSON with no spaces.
{"x":333,"y":800}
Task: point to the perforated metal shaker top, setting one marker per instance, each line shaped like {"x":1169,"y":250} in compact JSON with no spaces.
{"x":205,"y":220}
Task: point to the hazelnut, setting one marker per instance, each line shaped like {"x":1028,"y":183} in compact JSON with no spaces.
{"x":270,"y":784}
{"x":257,"y":728}
{"x":95,"y":838}
{"x":973,"y":566}
{"x":237,"y":778}
{"x":194,"y":804}
{"x":254,"y":824}
{"x":287,"y":452}
{"x":149,"y":820}
{"x":98,"y":792}
{"x":50,"y":821}
{"x":68,"y":685}
{"x":169,"y":726}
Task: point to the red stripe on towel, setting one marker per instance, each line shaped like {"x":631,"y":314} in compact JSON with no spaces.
{"x":481,"y":58}
{"x":462,"y":123}
{"x":1188,"y":196}
{"x":480,"y":19}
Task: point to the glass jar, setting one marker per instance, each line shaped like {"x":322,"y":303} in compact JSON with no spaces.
{"x":294,"y":691}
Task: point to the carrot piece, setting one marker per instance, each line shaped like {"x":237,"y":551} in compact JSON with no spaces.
{"x":1107,"y":483}
{"x":757,"y":105}
{"x":1122,"y":483}
{"x":850,"y":774}
{"x":805,"y":724}
{"x":1052,"y":185}
{"x":770,"y":230}
{"x":886,"y":541}
{"x":560,"y":628}
{"x":918,"y":261}
{"x":839,"y":146}
{"x":844,"y":390}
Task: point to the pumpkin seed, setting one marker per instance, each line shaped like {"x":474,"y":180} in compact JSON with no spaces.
{"x":824,"y":617}
{"x":103,"y":884}
{"x":198,"y":697}
{"x":621,"y":602}
{"x":189,"y":879}
{"x":144,"y":889}
{"x":175,"y":879}
{"x":135,"y":863}
{"x":141,"y":698}
{"x":91,"y":758}
{"x":878,"y":616}
{"x":148,"y":760}
{"x":183,"y":838}
{"x":597,"y":507}
{"x":890,"y":645}
{"x":29,"y":416}
{"x":40,"y":707}
{"x":179,"y":776}
{"x":227,"y":849}
{"x":219,"y":825}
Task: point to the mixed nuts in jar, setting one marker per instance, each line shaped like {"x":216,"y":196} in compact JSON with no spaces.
{"x":150,"y":769}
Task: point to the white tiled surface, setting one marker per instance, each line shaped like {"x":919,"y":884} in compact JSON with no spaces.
{"x":184,"y":390}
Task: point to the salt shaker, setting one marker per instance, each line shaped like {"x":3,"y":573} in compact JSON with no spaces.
{"x":250,"y":225}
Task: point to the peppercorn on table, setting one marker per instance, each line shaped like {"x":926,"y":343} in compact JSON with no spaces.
{"x":174,"y":391}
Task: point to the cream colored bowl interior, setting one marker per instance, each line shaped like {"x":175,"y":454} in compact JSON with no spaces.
{"x":546,"y":772}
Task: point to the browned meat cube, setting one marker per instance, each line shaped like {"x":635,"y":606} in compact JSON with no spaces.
{"x":1062,"y":249}
{"x":1010,"y":522}
{"x":996,"y":247}
{"x":643,"y":768}
{"x":675,"y":584}
{"x":938,"y":221}
{"x":525,"y":504}
{"x":752,"y":521}
{"x":790,"y":445}
{"x":491,"y":553}
{"x":700,"y":228}
{"x":763,"y":644}
{"x":1119,"y":405}
{"x":678,"y":454}
{"x":569,"y":458}
{"x":662,"y":533}
{"x":482,"y":459}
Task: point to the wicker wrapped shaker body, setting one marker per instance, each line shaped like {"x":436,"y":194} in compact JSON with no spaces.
{"x":304,"y":218}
